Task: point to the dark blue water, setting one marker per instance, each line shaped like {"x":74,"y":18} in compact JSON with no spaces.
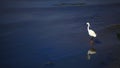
{"x":32,"y":36}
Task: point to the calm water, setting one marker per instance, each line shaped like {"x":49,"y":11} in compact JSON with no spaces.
{"x":32,"y":36}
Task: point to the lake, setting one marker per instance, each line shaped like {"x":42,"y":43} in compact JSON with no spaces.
{"x":30,"y":37}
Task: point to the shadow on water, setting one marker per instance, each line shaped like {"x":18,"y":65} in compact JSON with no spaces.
{"x":97,"y":41}
{"x":94,"y":41}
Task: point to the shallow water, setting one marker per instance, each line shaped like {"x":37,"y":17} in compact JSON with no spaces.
{"x":30,"y":37}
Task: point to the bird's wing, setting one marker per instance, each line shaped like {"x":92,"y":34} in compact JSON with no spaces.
{"x":92,"y":32}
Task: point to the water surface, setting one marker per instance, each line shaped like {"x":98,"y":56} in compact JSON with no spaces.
{"x":30,"y":37}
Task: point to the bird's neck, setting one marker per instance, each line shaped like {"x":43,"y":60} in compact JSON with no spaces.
{"x":88,"y":28}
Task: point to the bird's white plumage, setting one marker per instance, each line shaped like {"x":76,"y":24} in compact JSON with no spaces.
{"x":90,"y":31}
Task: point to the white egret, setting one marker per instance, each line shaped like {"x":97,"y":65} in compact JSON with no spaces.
{"x":90,"y":31}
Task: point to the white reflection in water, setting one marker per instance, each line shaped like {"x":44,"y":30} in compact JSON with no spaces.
{"x":90,"y":52}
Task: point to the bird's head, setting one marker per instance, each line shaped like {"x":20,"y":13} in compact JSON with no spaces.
{"x":88,"y":23}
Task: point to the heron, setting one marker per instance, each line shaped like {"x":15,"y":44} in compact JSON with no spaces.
{"x":90,"y":31}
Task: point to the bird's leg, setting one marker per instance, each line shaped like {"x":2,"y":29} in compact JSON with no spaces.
{"x":92,"y":41}
{"x":92,"y":38}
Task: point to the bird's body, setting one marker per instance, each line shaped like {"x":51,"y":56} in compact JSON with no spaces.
{"x":90,"y":31}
